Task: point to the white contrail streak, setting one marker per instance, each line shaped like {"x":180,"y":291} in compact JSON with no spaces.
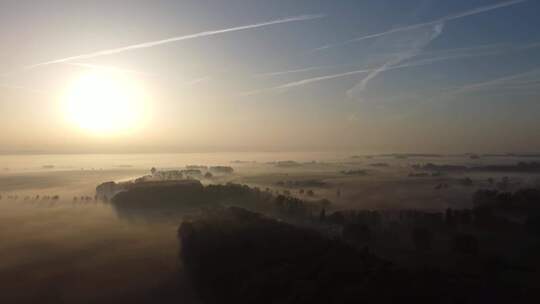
{"x":307,"y":81}
{"x":196,"y":81}
{"x":510,"y":82}
{"x":471,"y":12}
{"x":497,"y":83}
{"x":417,"y":44}
{"x":483,"y":9}
{"x":441,"y":55}
{"x":106,"y":68}
{"x":188,"y":83}
{"x":175,"y":39}
{"x":321,"y":78}
{"x":308,"y":69}
{"x":412,"y":64}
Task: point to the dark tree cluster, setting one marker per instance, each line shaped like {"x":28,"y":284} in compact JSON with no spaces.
{"x":222,"y":170}
{"x":302,"y":183}
{"x":493,"y":206}
{"x":523,"y":167}
{"x":354,"y":172}
{"x":175,"y":197}
{"x":236,"y":256}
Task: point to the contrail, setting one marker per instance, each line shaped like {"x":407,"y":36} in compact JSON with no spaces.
{"x":483,"y":9}
{"x":417,"y":45}
{"x":441,"y":55}
{"x":175,"y":39}
{"x":308,"y":69}
{"x":307,"y":81}
{"x":487,"y":49}
{"x":503,"y":83}
{"x":471,"y":12}
{"x":192,"y":82}
{"x":498,"y":82}
{"x":321,"y":78}
{"x":107,"y":68}
{"x":196,"y":81}
{"x":417,"y":63}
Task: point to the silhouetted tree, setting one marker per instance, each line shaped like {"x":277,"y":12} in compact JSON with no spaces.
{"x":422,"y":238}
{"x":466,"y":182}
{"x":357,"y":233}
{"x":322,"y":215}
{"x":449,"y":218}
{"x":533,"y":225}
{"x":337,"y":218}
{"x":465,"y":244}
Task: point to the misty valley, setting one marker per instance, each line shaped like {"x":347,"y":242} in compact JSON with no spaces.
{"x":258,"y":228}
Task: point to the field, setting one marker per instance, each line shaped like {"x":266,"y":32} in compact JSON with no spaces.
{"x":58,"y":249}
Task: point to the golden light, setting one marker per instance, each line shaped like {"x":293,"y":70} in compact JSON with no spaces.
{"x":105,"y":102}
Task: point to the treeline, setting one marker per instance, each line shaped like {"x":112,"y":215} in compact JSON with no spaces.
{"x":236,"y":256}
{"x":178,"y":197}
{"x":520,"y":167}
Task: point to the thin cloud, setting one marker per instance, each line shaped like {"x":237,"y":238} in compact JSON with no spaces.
{"x":188,"y":83}
{"x":306,"y":81}
{"x":442,"y":55}
{"x":176,"y":39}
{"x":469,"y":50}
{"x":483,"y":9}
{"x":107,"y":68}
{"x":498,"y":82}
{"x":196,"y":81}
{"x":471,"y":12}
{"x":415,"y":44}
{"x":437,"y":55}
{"x":309,"y":69}
{"x":524,"y":80}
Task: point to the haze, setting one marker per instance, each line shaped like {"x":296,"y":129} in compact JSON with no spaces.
{"x":257,"y":151}
{"x":371,"y":76}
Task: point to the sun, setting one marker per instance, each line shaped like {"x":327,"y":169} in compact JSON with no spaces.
{"x":106,"y":103}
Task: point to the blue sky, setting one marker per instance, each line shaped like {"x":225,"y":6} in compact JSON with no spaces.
{"x":367,"y":74}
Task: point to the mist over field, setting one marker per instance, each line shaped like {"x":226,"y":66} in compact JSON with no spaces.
{"x":255,"y":151}
{"x":77,"y":247}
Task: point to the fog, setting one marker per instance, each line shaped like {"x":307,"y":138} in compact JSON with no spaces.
{"x":78,"y":248}
{"x":64,"y":251}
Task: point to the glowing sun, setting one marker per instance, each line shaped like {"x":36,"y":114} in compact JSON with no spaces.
{"x":106,"y":103}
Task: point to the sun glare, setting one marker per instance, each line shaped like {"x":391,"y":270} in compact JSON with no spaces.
{"x":106,"y":103}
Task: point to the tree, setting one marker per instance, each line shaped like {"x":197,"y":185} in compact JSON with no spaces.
{"x":533,"y":225}
{"x":450,"y":218}
{"x":465,"y":244}
{"x":357,"y":233}
{"x":422,"y":238}
{"x":322,"y":216}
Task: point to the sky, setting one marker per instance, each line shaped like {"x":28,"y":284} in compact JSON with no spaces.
{"x":255,"y":75}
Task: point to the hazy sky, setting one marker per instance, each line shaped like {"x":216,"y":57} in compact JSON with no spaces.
{"x":366,"y":75}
